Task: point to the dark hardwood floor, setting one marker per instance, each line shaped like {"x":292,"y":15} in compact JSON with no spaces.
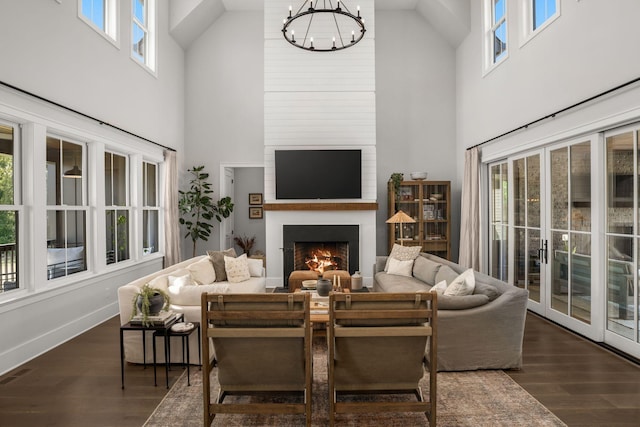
{"x":78,"y":383}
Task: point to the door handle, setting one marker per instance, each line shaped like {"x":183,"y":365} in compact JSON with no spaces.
{"x":543,"y":252}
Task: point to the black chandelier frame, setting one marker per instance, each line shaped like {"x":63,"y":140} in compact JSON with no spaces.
{"x":340,"y":10}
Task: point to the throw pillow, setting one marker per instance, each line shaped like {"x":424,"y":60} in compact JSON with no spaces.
{"x":160,"y":282}
{"x":255,"y":267}
{"x":446,"y":273}
{"x":462,"y":285}
{"x":237,"y":268}
{"x":177,"y":282}
{"x":439,"y":288}
{"x":217,"y":259}
{"x":424,"y":269}
{"x":400,"y":268}
{"x":403,"y":253}
{"x":202,"y":272}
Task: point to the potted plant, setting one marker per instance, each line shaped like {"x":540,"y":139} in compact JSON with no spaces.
{"x":199,"y":208}
{"x":245,"y":243}
{"x":149,"y":302}
{"x":396,"y":178}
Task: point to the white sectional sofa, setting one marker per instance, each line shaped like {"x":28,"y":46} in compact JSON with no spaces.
{"x":184,"y":299}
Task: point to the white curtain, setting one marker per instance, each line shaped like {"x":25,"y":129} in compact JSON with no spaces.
{"x":171,"y":214}
{"x":470,"y":211}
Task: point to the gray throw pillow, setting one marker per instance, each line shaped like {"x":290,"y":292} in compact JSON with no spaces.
{"x":444,"y":273}
{"x":450,"y":302}
{"x":217,"y":259}
{"x":485,"y":289}
{"x":424,"y":269}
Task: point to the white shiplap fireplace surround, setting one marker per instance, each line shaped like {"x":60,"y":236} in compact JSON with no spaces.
{"x":315,"y":100}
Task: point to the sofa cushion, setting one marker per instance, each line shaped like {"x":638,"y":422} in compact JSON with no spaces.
{"x":237,"y":268}
{"x":160,"y":282}
{"x":446,"y":273}
{"x":462,"y":285}
{"x":426,"y":270}
{"x":403,"y":253}
{"x":217,"y":259}
{"x":449,"y":302}
{"x":202,"y":272}
{"x":393,"y":283}
{"x":485,"y":289}
{"x":191,"y":295}
{"x":400,"y":268}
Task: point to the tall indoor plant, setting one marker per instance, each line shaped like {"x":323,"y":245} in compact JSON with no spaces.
{"x":197,"y":208}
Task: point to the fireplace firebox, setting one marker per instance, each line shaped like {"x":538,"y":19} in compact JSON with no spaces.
{"x":320,"y":248}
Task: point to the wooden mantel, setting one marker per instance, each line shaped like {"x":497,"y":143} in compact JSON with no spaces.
{"x":320,"y":206}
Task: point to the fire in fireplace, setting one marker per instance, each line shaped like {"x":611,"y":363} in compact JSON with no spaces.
{"x":323,"y":247}
{"x":321,"y":256}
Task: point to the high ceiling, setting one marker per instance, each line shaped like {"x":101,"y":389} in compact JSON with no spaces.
{"x":189,"y":19}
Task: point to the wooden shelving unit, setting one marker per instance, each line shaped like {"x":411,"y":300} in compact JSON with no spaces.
{"x":428,"y":203}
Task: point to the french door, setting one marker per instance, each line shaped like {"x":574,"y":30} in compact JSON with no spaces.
{"x":540,"y":230}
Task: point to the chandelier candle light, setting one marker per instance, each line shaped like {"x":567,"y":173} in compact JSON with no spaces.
{"x":324,"y":23}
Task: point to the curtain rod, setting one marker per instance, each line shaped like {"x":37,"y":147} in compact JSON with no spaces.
{"x":102,"y":122}
{"x":548,"y":116}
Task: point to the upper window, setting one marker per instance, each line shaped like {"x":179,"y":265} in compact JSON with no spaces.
{"x":9,"y":211}
{"x":143,"y":40}
{"x":543,"y":10}
{"x":538,"y":14}
{"x":101,"y":15}
{"x":66,"y":208}
{"x":495,"y":18}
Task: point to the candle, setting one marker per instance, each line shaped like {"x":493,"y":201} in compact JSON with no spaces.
{"x":338,"y":282}
{"x":290,"y":9}
{"x":334,"y":282}
{"x":358,"y":11}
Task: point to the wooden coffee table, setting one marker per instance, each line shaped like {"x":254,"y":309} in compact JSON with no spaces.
{"x":320,"y":308}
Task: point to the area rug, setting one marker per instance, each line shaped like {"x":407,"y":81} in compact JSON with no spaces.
{"x":477,"y":398}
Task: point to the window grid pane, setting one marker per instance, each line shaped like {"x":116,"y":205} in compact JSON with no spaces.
{"x":542,"y":11}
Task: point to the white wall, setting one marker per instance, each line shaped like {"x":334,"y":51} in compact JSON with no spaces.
{"x":415,"y":102}
{"x":224,"y":100}
{"x":590,"y":48}
{"x":248,"y":180}
{"x":48,"y":50}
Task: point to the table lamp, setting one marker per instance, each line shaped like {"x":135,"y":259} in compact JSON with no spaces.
{"x":399,"y":218}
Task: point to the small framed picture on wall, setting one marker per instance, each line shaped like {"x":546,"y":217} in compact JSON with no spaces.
{"x":255,"y":213}
{"x":255,"y":198}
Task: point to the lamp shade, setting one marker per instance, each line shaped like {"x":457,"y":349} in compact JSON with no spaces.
{"x":399,"y":218}
{"x":74,"y":172}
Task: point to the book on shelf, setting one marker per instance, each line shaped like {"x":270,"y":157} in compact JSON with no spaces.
{"x":161,"y":319}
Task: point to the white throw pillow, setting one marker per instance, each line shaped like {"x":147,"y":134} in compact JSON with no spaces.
{"x":177,"y":282}
{"x":255,"y":267}
{"x":440,"y":287}
{"x":400,"y":268}
{"x":237,"y":268}
{"x":403,"y":253}
{"x":160,"y":282}
{"x":202,"y":272}
{"x":462,"y":285}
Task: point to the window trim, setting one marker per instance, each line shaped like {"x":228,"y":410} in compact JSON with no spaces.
{"x":112,"y":23}
{"x":150,"y":63}
{"x":489,"y":28}
{"x":527,"y":32}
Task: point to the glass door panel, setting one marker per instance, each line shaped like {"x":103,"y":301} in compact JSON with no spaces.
{"x":499,"y":208}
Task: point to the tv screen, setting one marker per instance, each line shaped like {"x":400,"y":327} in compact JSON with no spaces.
{"x":318,"y":174}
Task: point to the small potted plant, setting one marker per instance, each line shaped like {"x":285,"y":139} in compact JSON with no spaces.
{"x":149,"y":302}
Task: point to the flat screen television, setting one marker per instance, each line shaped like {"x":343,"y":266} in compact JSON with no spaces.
{"x":318,"y":174}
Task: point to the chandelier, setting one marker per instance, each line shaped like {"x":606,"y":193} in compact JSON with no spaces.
{"x":321,"y":27}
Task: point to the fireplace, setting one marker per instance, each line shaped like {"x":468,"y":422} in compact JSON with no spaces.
{"x":320,"y":248}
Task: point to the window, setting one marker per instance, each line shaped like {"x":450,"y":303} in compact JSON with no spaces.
{"x":499,"y":214}
{"x":538,"y":14}
{"x":150,"y":211}
{"x":9,"y":211}
{"x":66,"y":208}
{"x":543,"y":10}
{"x":117,"y":211}
{"x":101,"y":15}
{"x":498,"y":29}
{"x":143,"y":43}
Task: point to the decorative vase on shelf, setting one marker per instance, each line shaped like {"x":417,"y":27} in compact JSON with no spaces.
{"x":323,"y":287}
